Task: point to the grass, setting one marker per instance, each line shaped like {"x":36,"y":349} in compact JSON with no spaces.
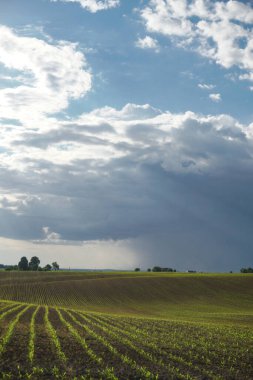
{"x":120,"y":325}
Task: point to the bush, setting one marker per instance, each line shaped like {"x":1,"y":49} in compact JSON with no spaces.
{"x":11,"y":267}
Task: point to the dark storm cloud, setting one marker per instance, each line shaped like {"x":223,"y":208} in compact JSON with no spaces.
{"x":179,"y":187}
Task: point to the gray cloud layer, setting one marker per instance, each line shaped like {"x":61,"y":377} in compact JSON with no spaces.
{"x":177,"y":185}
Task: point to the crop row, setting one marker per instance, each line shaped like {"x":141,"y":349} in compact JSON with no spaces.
{"x":38,"y":342}
{"x":212,"y":350}
{"x":205,"y":346}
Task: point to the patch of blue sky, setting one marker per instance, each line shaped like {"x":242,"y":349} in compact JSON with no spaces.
{"x":10,"y":78}
{"x":167,"y":80}
{"x":10,"y":122}
{"x":3,"y":150}
{"x":123,"y":73}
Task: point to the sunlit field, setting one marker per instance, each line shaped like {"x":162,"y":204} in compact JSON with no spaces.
{"x":124,"y":325}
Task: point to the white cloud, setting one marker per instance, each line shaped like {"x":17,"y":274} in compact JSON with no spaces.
{"x":128,"y":112}
{"x":205,"y":86}
{"x":45,"y":76}
{"x":53,"y":238}
{"x":94,"y":5}
{"x":136,"y":132}
{"x":167,"y":17}
{"x":220,"y":31}
{"x":215,"y":97}
{"x":147,"y":43}
{"x":50,"y":236}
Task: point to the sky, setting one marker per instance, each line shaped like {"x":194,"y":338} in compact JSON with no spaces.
{"x":127,"y":133}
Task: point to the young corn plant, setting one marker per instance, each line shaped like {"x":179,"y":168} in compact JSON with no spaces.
{"x":144,"y":339}
{"x":7,"y":336}
{"x":31,"y":344}
{"x":107,"y":372}
{"x":9,"y":311}
{"x":145,"y":373}
{"x":6,"y":306}
{"x":53,"y":336}
{"x":141,"y":370}
{"x":107,"y":328}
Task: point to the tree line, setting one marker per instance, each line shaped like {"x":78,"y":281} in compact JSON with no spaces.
{"x":247,"y":270}
{"x":32,"y":265}
{"x":157,"y":269}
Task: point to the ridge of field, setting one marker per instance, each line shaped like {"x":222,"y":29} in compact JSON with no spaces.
{"x":223,"y":298}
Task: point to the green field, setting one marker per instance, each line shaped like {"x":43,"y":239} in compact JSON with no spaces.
{"x":125,"y":325}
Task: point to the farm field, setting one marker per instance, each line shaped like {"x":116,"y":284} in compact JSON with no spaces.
{"x":116,"y":325}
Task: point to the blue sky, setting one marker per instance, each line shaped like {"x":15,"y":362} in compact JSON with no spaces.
{"x":126,"y":128}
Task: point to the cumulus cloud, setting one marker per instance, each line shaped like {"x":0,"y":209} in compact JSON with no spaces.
{"x":147,"y":43}
{"x":94,"y":5}
{"x":215,"y":97}
{"x":43,"y":76}
{"x":220,"y":31}
{"x":54,"y":238}
{"x":50,"y":235}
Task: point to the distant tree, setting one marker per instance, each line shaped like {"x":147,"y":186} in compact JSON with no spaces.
{"x":23,"y":264}
{"x":157,"y":269}
{"x":247,"y":270}
{"x":55,"y":266}
{"x":48,"y":267}
{"x":137,"y":269}
{"x":168,"y":270}
{"x":34,"y":263}
{"x":148,"y":270}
